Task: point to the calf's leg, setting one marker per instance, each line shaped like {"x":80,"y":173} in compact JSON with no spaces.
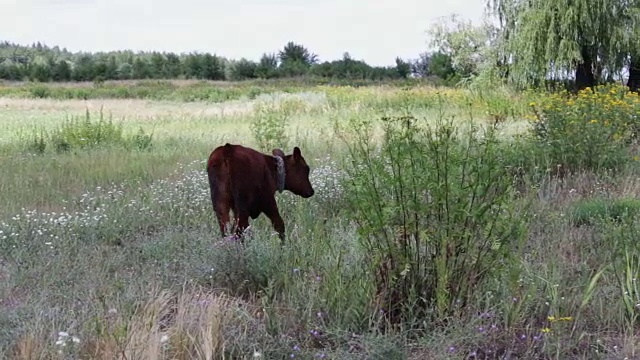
{"x":242,"y":222}
{"x":222,"y":214}
{"x":276,"y":220}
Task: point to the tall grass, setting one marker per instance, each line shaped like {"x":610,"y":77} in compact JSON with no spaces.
{"x":84,"y":134}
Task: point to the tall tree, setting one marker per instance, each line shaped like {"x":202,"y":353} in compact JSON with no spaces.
{"x":403,"y":68}
{"x":61,"y":71}
{"x":84,"y":68}
{"x":551,"y":38}
{"x":268,"y":66}
{"x":468,"y":47}
{"x":173,"y":66}
{"x":157,"y":65}
{"x":420,"y":66}
{"x":296,"y":53}
{"x":440,"y":66}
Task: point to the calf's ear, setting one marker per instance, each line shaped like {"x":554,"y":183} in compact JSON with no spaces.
{"x":296,"y":153}
{"x":278,"y":152}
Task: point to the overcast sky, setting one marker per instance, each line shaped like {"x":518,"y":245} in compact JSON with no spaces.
{"x":372,"y":30}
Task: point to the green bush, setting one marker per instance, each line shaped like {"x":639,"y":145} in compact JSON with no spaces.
{"x":588,"y":131}
{"x":269,"y":127}
{"x":39,"y":91}
{"x":435,"y":211}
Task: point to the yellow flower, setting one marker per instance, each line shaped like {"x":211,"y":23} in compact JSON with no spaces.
{"x":532,"y":104}
{"x":593,"y":122}
{"x":546,"y":330}
{"x":551,"y":318}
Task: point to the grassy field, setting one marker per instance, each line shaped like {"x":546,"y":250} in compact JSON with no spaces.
{"x":447,"y":224}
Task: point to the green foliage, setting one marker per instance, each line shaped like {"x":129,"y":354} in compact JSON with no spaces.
{"x":242,"y":69}
{"x":38,"y":144}
{"x":268,"y":66}
{"x":593,"y":210}
{"x":403,"y":68}
{"x":39,"y":91}
{"x":77,"y":133}
{"x":621,"y":236}
{"x":269,"y":127}
{"x":440,"y":66}
{"x":466,"y":46}
{"x":82,"y":133}
{"x":295,"y":55}
{"x":293,"y":60}
{"x":549,"y":38}
{"x":141,"y":140}
{"x":588,"y":131}
{"x":436,"y":214}
{"x":350,"y":68}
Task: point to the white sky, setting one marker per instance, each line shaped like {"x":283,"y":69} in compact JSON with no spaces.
{"x":375,"y":31}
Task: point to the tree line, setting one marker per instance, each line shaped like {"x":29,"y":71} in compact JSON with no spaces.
{"x":39,"y":62}
{"x":535,"y":43}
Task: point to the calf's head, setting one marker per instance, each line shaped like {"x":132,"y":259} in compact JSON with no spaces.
{"x":296,"y":173}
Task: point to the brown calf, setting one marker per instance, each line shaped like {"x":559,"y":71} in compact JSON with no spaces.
{"x":244,"y":181}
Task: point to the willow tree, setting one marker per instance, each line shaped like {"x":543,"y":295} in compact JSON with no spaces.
{"x":591,"y":39}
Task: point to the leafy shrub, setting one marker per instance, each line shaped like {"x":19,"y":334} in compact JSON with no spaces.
{"x":588,"y":131}
{"x":589,"y":210}
{"x":269,"y":127}
{"x":435,"y":213}
{"x":39,"y":91}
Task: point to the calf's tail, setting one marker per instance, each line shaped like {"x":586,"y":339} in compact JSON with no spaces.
{"x":217,"y":172}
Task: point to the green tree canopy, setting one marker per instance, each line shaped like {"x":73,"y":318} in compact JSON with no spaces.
{"x":293,"y":53}
{"x":589,"y":39}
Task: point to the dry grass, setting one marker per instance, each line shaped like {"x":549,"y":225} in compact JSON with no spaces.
{"x":128,"y":108}
{"x":165,"y":119}
{"x":193,"y":324}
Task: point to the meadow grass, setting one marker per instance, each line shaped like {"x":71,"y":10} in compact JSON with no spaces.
{"x":111,"y":250}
